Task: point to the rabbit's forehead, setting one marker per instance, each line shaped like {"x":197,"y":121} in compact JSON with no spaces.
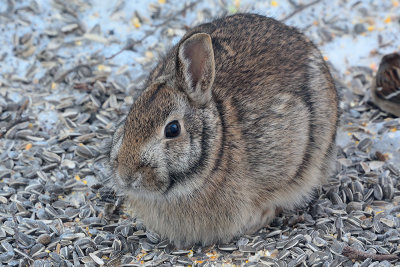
{"x":151,"y":110}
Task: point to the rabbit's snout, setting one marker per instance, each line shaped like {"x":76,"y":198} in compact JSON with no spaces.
{"x":126,"y":174}
{"x":136,"y":177}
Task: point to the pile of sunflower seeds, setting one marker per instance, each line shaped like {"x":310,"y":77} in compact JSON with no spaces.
{"x":71,"y":69}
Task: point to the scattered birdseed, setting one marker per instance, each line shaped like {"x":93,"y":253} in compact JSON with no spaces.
{"x":71,"y":70}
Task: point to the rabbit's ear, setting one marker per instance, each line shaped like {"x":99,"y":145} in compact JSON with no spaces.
{"x":196,"y":68}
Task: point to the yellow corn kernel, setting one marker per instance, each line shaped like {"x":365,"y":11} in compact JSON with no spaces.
{"x":135,"y":22}
{"x":149,"y":54}
{"x":237,"y":4}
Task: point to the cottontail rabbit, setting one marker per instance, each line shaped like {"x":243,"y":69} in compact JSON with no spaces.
{"x":237,"y":120}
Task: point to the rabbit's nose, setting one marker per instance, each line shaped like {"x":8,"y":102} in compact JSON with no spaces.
{"x":134,"y":174}
{"x":127,"y":165}
{"x":127,"y":173}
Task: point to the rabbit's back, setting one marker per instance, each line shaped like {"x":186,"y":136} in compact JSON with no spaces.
{"x":273,"y":87}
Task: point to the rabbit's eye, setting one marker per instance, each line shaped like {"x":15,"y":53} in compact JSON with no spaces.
{"x":173,"y":129}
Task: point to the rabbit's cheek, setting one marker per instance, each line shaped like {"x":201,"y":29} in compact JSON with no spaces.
{"x":178,"y":154}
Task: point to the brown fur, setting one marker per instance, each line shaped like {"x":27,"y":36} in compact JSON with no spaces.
{"x":258,"y":111}
{"x":385,"y":90}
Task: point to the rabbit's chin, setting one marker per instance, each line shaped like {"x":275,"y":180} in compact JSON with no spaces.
{"x":141,"y":191}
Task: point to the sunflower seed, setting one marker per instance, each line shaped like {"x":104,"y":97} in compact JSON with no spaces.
{"x":387,"y":222}
{"x":291,"y":244}
{"x":96,"y":259}
{"x":378,"y":193}
{"x":377,"y":226}
{"x":180,"y":252}
{"x":335,"y":198}
{"x":56,"y":143}
{"x":44,"y":239}
{"x":153,"y":237}
{"x":368,"y":194}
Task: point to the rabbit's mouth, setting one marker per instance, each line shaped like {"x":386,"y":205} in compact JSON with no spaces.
{"x":133,"y":188}
{"x":136,"y":185}
{"x":129,"y":183}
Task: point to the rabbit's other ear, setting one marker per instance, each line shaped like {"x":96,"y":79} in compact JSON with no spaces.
{"x":196,"y":67}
